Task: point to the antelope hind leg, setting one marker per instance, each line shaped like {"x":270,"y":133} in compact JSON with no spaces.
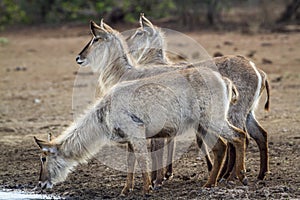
{"x":239,"y":142}
{"x":219,"y":151}
{"x":257,"y":132}
{"x":228,"y":171}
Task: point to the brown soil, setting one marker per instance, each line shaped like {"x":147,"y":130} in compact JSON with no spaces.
{"x":37,"y":75}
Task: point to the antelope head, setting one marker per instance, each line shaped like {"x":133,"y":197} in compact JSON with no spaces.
{"x":54,"y":167}
{"x":105,"y":47}
{"x":144,"y":38}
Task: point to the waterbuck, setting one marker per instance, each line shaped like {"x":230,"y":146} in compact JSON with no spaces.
{"x":147,"y":46}
{"x":131,"y":112}
{"x":142,"y":47}
{"x":113,"y":66}
{"x":110,"y":73}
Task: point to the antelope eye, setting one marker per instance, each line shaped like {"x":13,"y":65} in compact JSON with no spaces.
{"x":139,"y":33}
{"x":95,"y":40}
{"x":43,"y":159}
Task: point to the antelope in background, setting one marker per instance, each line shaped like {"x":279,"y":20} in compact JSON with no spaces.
{"x":192,"y":101}
{"x":148,"y":47}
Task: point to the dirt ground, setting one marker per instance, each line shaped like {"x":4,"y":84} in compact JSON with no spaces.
{"x":38,"y":69}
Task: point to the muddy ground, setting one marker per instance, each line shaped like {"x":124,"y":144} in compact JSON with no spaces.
{"x":38,"y":69}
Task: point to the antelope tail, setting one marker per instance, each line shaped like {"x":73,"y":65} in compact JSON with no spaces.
{"x":231,"y":89}
{"x":235,"y":94}
{"x":267,"y":104}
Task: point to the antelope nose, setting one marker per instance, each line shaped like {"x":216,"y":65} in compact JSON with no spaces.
{"x":79,"y":60}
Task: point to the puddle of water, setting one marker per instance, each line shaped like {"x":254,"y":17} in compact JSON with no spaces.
{"x":12,"y":195}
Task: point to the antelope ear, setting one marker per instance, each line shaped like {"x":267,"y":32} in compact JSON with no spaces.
{"x":97,"y":31}
{"x":144,"y":22}
{"x":106,"y":27}
{"x":41,"y":143}
{"x":45,"y":146}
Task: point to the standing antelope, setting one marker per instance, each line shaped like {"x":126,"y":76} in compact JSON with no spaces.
{"x":185,"y":100}
{"x":147,"y":46}
{"x":142,"y":47}
{"x":108,"y":65}
{"x":113,"y":66}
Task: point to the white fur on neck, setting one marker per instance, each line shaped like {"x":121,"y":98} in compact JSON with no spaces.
{"x":112,"y":63}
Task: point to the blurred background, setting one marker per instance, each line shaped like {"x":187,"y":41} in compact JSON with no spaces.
{"x":243,"y":15}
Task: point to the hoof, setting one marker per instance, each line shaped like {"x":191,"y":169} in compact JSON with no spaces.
{"x":222,"y":180}
{"x":168,"y":176}
{"x":125,"y":192}
{"x":260,"y":182}
{"x":157,"y":187}
{"x":209,"y":185}
{"x":122,"y":195}
{"x":151,"y":187}
{"x":147,"y":195}
{"x":268,"y":173}
{"x":230,"y":182}
{"x":147,"y":191}
{"x":245,"y":181}
{"x":263,"y":176}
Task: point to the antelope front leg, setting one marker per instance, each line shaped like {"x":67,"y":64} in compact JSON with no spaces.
{"x":130,"y":171}
{"x":157,"y":150}
{"x":139,"y":146}
{"x":169,"y":167}
{"x":203,"y":147}
{"x":154,"y":160}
